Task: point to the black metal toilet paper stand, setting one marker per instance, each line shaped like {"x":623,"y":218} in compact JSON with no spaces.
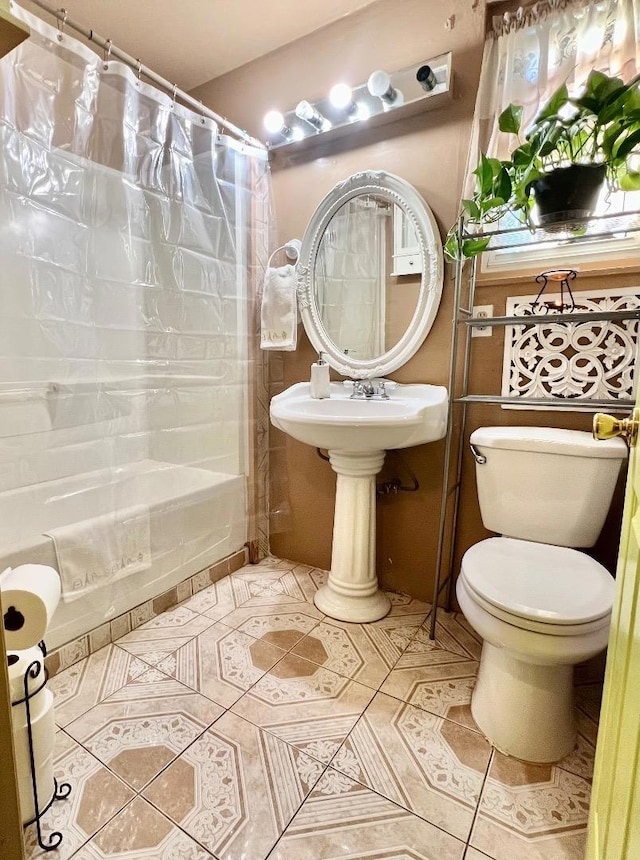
{"x":61,"y":791}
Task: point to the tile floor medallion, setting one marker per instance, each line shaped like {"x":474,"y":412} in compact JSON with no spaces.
{"x":222,"y":663}
{"x":305,"y":705}
{"x":143,"y":726}
{"x":96,"y":796}
{"x":163,"y":635}
{"x":343,"y":820}
{"x":140,"y":832}
{"x":363,"y":652}
{"x":280,"y":626}
{"x":294,"y":587}
{"x":532,"y":812}
{"x":235,"y":789}
{"x":88,"y":682}
{"x":429,"y":765}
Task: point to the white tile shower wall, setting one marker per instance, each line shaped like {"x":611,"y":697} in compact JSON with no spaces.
{"x":56,"y":452}
{"x":109,"y":322}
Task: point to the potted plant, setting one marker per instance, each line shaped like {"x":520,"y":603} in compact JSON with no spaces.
{"x":571,"y":148}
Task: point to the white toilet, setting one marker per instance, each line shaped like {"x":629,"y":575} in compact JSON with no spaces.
{"x":539,"y":606}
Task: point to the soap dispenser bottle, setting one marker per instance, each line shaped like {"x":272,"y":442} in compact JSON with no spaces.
{"x":320,"y":386}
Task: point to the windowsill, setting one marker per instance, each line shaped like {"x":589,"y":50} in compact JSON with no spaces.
{"x":590,"y":269}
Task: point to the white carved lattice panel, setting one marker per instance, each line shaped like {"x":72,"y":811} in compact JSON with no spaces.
{"x":568,"y":360}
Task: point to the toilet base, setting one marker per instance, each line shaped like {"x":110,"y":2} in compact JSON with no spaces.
{"x":524,"y":709}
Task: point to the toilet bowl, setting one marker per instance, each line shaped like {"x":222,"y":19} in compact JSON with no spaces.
{"x":540,"y":606}
{"x":536,"y":626}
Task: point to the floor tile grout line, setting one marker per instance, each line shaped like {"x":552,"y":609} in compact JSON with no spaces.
{"x":119,"y":778}
{"x":383,"y":796}
{"x":480,"y":793}
{"x":329,"y":766}
{"x":447,"y":719}
{"x":179,"y":826}
{"x":85,"y":659}
{"x":146,"y":785}
{"x":170,"y":820}
{"x":482,"y":853}
{"x":240,"y":605}
{"x":260,"y":729}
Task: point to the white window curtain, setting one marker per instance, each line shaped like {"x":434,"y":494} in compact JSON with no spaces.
{"x":531,"y":52}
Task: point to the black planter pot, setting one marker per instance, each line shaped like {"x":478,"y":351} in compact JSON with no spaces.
{"x":568,"y":193}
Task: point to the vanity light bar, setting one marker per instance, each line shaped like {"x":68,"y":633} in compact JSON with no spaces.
{"x":416,"y":88}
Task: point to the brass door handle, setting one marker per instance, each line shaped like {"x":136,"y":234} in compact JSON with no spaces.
{"x":608,"y":426}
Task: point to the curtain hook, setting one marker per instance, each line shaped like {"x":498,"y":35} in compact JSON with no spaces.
{"x":175,"y":90}
{"x":107,"y":53}
{"x":139,"y":65}
{"x":62,"y":24}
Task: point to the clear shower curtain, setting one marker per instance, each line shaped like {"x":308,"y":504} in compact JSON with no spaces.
{"x":132,"y":235}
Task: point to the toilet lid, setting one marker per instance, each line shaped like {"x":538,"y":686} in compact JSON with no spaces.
{"x":545,"y":583}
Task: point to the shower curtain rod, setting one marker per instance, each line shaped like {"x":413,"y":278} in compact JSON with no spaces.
{"x":107,"y":45}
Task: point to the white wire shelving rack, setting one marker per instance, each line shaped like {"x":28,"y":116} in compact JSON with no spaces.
{"x":568,"y":233}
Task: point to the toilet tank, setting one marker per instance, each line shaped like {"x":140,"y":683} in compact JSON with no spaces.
{"x":544,"y":484}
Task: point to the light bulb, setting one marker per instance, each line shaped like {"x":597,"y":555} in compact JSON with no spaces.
{"x":306,"y":111}
{"x":379,"y":85}
{"x":274,"y":122}
{"x":341,"y":96}
{"x":426,"y":78}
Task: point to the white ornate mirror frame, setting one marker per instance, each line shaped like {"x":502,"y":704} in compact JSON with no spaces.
{"x":402,"y":194}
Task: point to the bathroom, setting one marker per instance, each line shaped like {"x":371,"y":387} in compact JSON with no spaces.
{"x":293,"y":514}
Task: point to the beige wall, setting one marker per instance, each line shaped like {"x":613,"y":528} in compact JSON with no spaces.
{"x":10,"y":36}
{"x":429,"y":151}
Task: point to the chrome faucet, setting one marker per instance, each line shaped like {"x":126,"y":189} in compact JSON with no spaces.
{"x":367,"y":389}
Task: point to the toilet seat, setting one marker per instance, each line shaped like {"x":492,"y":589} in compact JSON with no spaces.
{"x":518,"y":582}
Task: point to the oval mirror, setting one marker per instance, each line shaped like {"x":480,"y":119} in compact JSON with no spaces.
{"x":370,"y":274}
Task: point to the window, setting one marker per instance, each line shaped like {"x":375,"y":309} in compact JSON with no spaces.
{"x":620,"y":245}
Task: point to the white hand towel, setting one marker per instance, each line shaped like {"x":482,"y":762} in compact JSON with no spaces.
{"x":278,"y":318}
{"x":102,"y":550}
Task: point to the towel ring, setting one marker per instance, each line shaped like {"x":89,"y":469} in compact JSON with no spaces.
{"x":291,"y":249}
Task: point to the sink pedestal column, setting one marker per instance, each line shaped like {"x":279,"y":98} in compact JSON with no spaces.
{"x":352,"y":593}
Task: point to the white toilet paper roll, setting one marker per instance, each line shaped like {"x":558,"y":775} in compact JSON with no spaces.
{"x":43,"y":735}
{"x":16,"y":669}
{"x":45,"y":783}
{"x":30,"y":595}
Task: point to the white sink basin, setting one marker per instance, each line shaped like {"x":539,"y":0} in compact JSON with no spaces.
{"x":413,"y":415}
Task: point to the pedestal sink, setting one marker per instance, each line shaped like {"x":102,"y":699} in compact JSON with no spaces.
{"x":356,"y":432}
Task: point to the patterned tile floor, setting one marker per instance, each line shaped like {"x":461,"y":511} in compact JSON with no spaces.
{"x":245,"y":724}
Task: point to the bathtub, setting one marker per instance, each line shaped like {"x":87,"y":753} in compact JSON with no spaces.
{"x":197,"y":517}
